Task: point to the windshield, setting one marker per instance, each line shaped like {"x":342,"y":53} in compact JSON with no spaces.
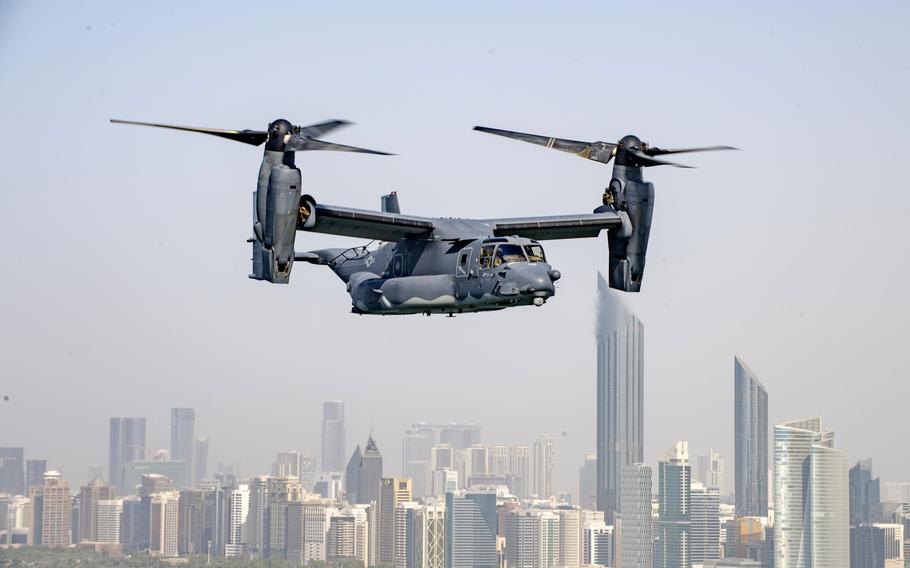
{"x":508,"y":253}
{"x":535,"y":253}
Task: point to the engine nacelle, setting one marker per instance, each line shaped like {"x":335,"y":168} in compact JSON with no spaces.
{"x":628,"y":246}
{"x":277,"y":200}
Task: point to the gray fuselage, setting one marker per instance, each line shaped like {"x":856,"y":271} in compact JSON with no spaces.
{"x":444,"y":275}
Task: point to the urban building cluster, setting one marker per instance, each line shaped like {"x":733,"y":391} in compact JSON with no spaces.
{"x":456,"y":501}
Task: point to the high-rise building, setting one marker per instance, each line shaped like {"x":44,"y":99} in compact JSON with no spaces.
{"x":471,"y":529}
{"x":307,"y":524}
{"x":393,"y":492}
{"x":108,"y":513}
{"x":634,"y":523}
{"x":811,"y":498}
{"x":132,"y":521}
{"x":570,"y":539}
{"x":865,"y":494}
{"x":281,"y":492}
{"x":674,"y":507}
{"x":183,"y":439}
{"x":126,"y":444}
{"x":476,"y":461}
{"x":257,"y":516}
{"x":704,"y":512}
{"x":444,"y":481}
{"x":200,"y":459}
{"x":442,"y":456}
{"x":12,"y":472}
{"x":238,"y":510}
{"x":427,"y":528}
{"x":597,"y":543}
{"x":877,"y":545}
{"x":415,"y":459}
{"x":34,"y":473}
{"x":403,"y":534}
{"x":532,"y":538}
{"x":514,"y":464}
{"x":90,"y":495}
{"x":370,"y":475}
{"x":545,"y":466}
{"x":620,"y":395}
{"x":164,"y":523}
{"x":711,"y":471}
{"x":334,"y":448}
{"x":202,"y":520}
{"x":352,"y":477}
{"x":51,"y":510}
{"x":751,"y":442}
{"x":897,"y":492}
{"x":587,"y":483}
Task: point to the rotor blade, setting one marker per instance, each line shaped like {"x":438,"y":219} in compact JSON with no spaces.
{"x":323,"y":128}
{"x":642,"y":159}
{"x":253,"y":137}
{"x":297,"y":143}
{"x":571,"y":146}
{"x":662,"y":151}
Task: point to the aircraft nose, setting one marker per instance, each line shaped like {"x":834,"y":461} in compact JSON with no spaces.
{"x":537,"y":281}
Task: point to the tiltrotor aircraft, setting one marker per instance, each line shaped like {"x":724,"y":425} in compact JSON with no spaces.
{"x":431,"y":265}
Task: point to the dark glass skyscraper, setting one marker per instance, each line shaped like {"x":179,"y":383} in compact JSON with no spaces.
{"x":620,"y":395}
{"x":333,"y":436}
{"x":183,"y":438}
{"x":127,"y":444}
{"x":675,"y":477}
{"x":751,"y":440}
{"x":12,"y":471}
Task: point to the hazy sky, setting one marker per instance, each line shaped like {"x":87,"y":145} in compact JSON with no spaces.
{"x":124,"y":285}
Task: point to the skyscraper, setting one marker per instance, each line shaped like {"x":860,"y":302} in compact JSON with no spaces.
{"x":352,"y":477}
{"x":183,"y":439}
{"x":545,"y":466}
{"x":126,"y":444}
{"x":751,"y":441}
{"x":12,"y":474}
{"x":427,"y":529}
{"x":164,"y":523}
{"x":704,"y":537}
{"x":200,"y":459}
{"x":393,"y":492}
{"x":370,"y":474}
{"x":865,"y":494}
{"x":620,"y":395}
{"x":415,"y":458}
{"x":238,"y":509}
{"x":675,"y":520}
{"x":811,"y":498}
{"x":587,"y":483}
{"x":711,"y":470}
{"x":90,"y":495}
{"x":471,"y":529}
{"x":51,"y":512}
{"x":634,"y":542}
{"x":34,"y":473}
{"x":532,"y":538}
{"x":334,"y":448}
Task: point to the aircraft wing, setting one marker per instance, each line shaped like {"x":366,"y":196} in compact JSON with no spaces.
{"x":360,"y":223}
{"x":556,"y":226}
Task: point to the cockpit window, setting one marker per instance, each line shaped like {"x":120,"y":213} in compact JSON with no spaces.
{"x":508,"y":253}
{"x":486,"y":256}
{"x":535,"y":253}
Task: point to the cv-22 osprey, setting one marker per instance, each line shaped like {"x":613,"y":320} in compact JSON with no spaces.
{"x":429,"y":265}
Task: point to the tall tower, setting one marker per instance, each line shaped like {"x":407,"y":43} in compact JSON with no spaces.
{"x":620,"y":395}
{"x":471,"y":529}
{"x":127,"y":444}
{"x":12,"y":472}
{"x":811,"y":498}
{"x":200,"y":459}
{"x":89,"y":496}
{"x":393,"y":492}
{"x":634,"y":543}
{"x":545,"y":466}
{"x":711,"y":471}
{"x":333,"y":436}
{"x":34,"y":473}
{"x":183,"y":438}
{"x":415,"y":458}
{"x":352,"y":477}
{"x":587,"y":483}
{"x":675,"y":520}
{"x":751,"y":441}
{"x":865,"y":494}
{"x":370,"y":475}
{"x":704,"y":539}
{"x":51,"y":512}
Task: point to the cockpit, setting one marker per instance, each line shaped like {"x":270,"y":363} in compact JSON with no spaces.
{"x":495,"y":254}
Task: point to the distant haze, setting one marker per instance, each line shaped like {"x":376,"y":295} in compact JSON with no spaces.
{"x":124,"y":279}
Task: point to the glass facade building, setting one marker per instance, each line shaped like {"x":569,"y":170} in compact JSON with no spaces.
{"x":751,"y":441}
